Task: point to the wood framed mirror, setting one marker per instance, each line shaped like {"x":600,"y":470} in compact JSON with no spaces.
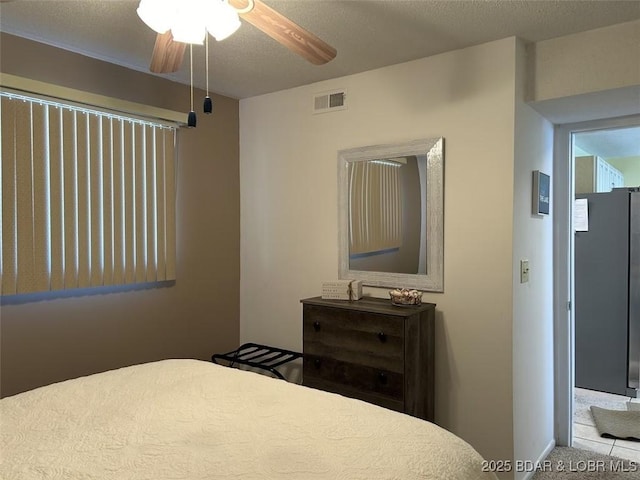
{"x":391,"y":214}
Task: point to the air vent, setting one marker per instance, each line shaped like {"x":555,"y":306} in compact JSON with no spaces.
{"x":329,"y":101}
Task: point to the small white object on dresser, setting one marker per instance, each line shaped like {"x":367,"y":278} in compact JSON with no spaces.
{"x":342,"y":290}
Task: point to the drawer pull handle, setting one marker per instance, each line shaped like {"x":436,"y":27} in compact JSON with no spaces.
{"x":317,"y":362}
{"x":316,"y":326}
{"x":382,"y":337}
{"x":383,"y":378}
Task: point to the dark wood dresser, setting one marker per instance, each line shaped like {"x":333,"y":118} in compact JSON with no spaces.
{"x":371,"y":350}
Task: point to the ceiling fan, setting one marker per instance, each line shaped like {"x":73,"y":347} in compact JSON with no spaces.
{"x":168,"y":52}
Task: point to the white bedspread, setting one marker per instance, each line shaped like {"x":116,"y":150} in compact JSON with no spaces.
{"x":188,"y":419}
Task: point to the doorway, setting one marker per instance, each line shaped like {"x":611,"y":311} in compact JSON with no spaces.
{"x":576,"y":145}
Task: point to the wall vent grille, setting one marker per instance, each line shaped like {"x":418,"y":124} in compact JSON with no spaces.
{"x":329,"y":101}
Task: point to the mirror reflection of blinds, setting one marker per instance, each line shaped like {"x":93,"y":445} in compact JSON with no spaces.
{"x":375,"y":206}
{"x":87,"y":198}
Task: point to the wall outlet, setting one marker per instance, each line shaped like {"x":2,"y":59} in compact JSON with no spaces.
{"x":524,"y":271}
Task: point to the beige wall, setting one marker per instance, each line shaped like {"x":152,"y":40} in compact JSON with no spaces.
{"x":601,"y":59}
{"x":533,"y":392}
{"x":288,"y":171}
{"x":50,"y":338}
{"x":588,"y":75}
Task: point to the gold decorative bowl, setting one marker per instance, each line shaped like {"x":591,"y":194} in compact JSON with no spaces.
{"x":405,"y":297}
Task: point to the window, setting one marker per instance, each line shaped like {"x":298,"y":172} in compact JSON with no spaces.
{"x":88,"y":197}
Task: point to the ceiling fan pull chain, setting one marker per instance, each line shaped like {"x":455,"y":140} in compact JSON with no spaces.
{"x":191,"y":119}
{"x":208,"y":104}
{"x":206,"y":61}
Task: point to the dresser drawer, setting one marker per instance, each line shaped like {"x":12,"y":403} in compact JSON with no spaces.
{"x":339,"y":375}
{"x":353,"y":337}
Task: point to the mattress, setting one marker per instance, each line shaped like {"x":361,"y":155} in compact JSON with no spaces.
{"x":189,"y":419}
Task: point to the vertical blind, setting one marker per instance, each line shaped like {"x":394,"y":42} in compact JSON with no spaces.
{"x":375,"y":206}
{"x":88,"y":197}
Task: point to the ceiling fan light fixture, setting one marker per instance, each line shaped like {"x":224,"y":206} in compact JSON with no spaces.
{"x":186,"y":33}
{"x":188,"y":24}
{"x":221,"y":19}
{"x":157,"y":14}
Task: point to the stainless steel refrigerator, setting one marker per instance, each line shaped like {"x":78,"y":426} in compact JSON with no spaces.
{"x":607,"y":294}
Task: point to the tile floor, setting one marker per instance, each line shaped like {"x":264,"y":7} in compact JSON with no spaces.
{"x":585,"y":434}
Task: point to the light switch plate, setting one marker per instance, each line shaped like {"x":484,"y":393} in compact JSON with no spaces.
{"x":524,"y":271}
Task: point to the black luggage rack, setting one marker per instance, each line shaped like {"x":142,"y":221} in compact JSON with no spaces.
{"x":257,"y":356}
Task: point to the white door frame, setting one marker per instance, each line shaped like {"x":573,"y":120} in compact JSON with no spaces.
{"x":563,"y":251}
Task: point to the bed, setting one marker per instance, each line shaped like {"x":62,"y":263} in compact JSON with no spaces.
{"x":190,"y":419}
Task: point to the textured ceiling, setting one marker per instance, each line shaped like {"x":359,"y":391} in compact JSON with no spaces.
{"x":367,"y":34}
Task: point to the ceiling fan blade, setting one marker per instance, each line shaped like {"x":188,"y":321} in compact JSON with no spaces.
{"x":167,"y":54}
{"x":288,"y":33}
